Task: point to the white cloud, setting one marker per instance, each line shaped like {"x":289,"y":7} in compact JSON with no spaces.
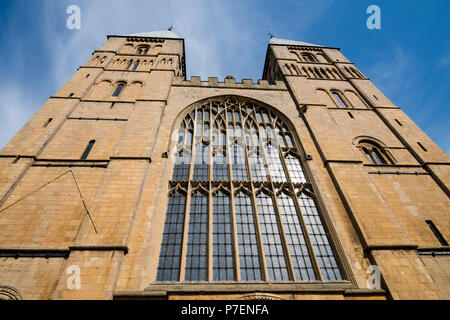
{"x":15,"y":110}
{"x":389,"y":72}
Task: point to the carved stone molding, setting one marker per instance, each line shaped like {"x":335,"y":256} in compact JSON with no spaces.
{"x":260,"y":296}
{"x":9,"y":293}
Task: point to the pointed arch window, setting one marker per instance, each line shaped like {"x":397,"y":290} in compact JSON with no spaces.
{"x":246,"y":216}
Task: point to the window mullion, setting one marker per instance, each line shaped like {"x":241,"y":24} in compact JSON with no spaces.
{"x":193,"y":147}
{"x":262,"y":149}
{"x":263,"y":263}
{"x":284,"y":164}
{"x":307,"y":238}
{"x":247,"y":162}
{"x":287,"y":254}
{"x":374,"y":160}
{"x":209,"y":275}
{"x":185,"y":233}
{"x":229,"y":158}
{"x":210,"y":147}
{"x":237,"y":275}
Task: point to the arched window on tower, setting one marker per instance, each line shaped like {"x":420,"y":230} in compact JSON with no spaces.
{"x":142,"y":50}
{"x":340,"y":100}
{"x":119,"y":88}
{"x":136,"y":65}
{"x":308,"y":57}
{"x":130,"y":63}
{"x":240,"y":189}
{"x":374,"y":153}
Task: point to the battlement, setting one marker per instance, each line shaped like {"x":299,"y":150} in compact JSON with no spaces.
{"x":228,"y":82}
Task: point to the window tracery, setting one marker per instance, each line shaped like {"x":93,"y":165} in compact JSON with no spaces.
{"x":242,"y":188}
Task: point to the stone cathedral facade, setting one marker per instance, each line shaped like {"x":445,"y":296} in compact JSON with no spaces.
{"x":133,"y":182}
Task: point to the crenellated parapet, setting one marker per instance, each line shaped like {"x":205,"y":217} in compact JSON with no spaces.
{"x":229,"y":82}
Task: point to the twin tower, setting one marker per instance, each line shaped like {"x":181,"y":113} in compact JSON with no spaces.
{"x":134,"y":182}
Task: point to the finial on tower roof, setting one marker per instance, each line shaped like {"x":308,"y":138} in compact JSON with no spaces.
{"x":270,"y":34}
{"x":170,"y":28}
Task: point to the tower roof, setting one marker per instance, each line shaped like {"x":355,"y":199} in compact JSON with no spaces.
{"x":156,"y":34}
{"x":274,"y":40}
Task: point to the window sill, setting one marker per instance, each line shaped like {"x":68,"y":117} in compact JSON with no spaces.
{"x":161,"y":290}
{"x":234,"y":286}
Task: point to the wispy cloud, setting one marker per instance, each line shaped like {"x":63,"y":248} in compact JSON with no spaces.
{"x":444,"y":61}
{"x":15,"y":110}
{"x":222,"y":37}
{"x":390,"y":72}
{"x":416,"y":90}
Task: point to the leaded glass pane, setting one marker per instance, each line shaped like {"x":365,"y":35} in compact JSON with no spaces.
{"x":237,"y":116}
{"x":377,"y":156}
{"x":339,"y":100}
{"x":275,"y":166}
{"x":181,"y":167}
{"x":220,"y":166}
{"x":298,"y":249}
{"x":295,"y":169}
{"x":289,"y":141}
{"x":281,"y":140}
{"x":201,"y":162}
{"x":169,"y":257}
{"x":262,"y":131}
{"x":273,"y":247}
{"x":249,"y":259}
{"x":238,"y":162}
{"x":181,"y":133}
{"x":319,"y":239}
{"x":223,"y":264}
{"x":256,"y":161}
{"x":197,"y":253}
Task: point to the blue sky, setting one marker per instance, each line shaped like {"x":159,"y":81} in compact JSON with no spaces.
{"x":408,"y":59}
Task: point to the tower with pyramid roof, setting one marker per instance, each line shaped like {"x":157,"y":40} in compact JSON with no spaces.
{"x":135,"y":182}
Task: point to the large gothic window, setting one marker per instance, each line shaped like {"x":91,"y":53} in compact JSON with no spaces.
{"x":240,"y":205}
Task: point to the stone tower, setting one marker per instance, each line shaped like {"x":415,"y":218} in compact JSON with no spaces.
{"x":133,"y":182}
